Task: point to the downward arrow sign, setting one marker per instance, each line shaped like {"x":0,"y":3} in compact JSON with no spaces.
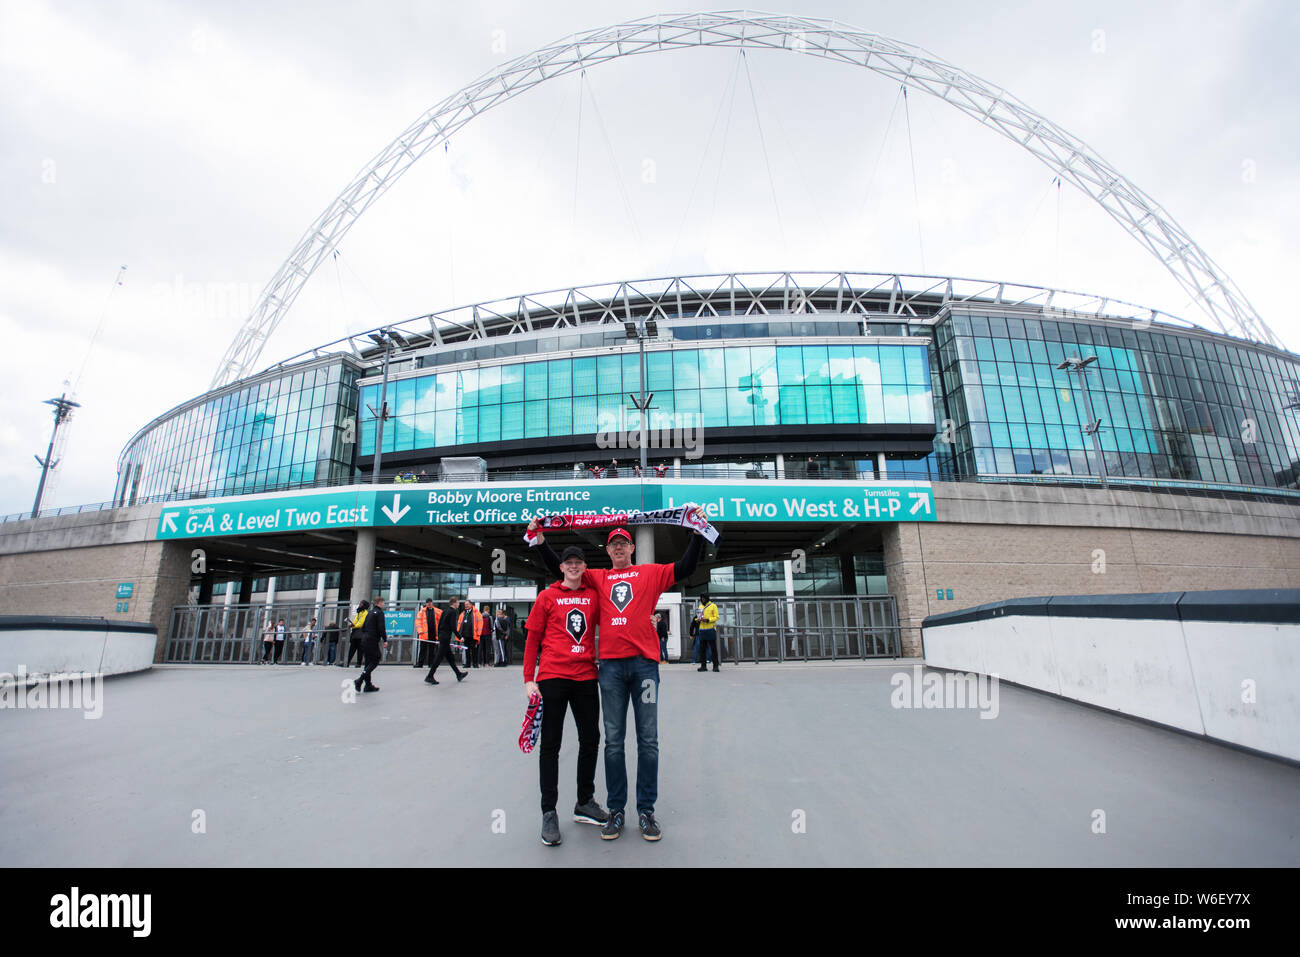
{"x":395,"y":514}
{"x":169,"y":521}
{"x":920,"y":500}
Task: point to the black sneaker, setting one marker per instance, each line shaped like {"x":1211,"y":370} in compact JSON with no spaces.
{"x":460,"y":675}
{"x":649,"y":829}
{"x":370,"y":688}
{"x":431,"y":681}
{"x":357,"y":684}
{"x":613,"y":827}
{"x":590,"y":813}
{"x":550,"y":828}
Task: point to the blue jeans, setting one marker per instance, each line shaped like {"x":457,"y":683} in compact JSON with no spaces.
{"x":636,"y":679}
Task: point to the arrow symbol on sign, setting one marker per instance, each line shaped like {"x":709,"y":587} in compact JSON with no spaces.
{"x":919,"y":499}
{"x":395,"y":514}
{"x":169,"y":521}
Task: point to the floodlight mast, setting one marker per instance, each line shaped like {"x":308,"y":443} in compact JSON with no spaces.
{"x":1066,"y":155}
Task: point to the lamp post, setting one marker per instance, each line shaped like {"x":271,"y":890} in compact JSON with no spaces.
{"x":385,"y":338}
{"x":640,"y":330}
{"x":1093,"y":427}
{"x":63,"y":407}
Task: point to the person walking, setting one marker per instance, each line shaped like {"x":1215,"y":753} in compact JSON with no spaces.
{"x":501,"y":631}
{"x":707,"y":616}
{"x":331,"y":641}
{"x":446,"y":631}
{"x":354,"y":640}
{"x":374,"y":639}
{"x":268,"y":641}
{"x":309,"y":637}
{"x":560,"y":665}
{"x":661,"y":629}
{"x":426,"y":632}
{"x":629,"y":666}
{"x":281,"y":633}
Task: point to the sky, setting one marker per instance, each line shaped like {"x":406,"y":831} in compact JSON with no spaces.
{"x":194,"y":143}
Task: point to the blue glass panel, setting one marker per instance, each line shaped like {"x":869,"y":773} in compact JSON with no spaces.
{"x":817,"y":399}
{"x":816,"y":371}
{"x":609,"y":376}
{"x":403,"y":433}
{"x":512,"y":385}
{"x":896,"y":403}
{"x":916,"y":362}
{"x":559,"y":417}
{"x":686,"y":369}
{"x":844,"y":402}
{"x":789,"y":369}
{"x":792,"y":410}
{"x":659,"y":371}
{"x":584,"y":376}
{"x":740,"y":410}
{"x":891,"y":365}
{"x":467,"y":426}
{"x":714,"y":404}
{"x":512,"y":420}
{"x":584,"y":415}
{"x":535,"y":375}
{"x":535,"y":419}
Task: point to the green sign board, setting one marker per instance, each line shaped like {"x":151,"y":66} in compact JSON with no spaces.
{"x":125,"y":589}
{"x":502,"y":503}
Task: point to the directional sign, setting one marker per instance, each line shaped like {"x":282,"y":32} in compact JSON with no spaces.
{"x":502,"y":503}
{"x":125,"y":589}
{"x":399,"y":623}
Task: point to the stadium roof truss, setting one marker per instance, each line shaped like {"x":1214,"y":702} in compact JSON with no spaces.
{"x":1069,"y":157}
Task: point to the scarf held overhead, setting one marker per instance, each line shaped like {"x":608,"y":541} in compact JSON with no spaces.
{"x":688,"y":516}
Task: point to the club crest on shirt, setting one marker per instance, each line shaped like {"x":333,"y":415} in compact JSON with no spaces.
{"x":576,"y":623}
{"x":621,"y":594}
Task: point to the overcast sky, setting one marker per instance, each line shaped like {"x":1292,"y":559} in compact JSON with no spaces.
{"x":194,"y":143}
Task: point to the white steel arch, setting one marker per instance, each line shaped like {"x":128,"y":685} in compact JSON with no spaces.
{"x":1069,"y":157}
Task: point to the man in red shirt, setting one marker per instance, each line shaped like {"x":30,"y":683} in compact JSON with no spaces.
{"x":562,"y":632}
{"x":629,"y":667}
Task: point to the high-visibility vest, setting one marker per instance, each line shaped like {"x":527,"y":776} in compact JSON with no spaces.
{"x":421,"y":626}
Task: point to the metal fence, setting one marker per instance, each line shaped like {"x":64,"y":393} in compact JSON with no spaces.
{"x":233,"y":634}
{"x":804,"y":629}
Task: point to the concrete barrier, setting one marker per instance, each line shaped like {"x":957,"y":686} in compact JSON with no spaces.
{"x":44,"y":645}
{"x":1223,"y":664}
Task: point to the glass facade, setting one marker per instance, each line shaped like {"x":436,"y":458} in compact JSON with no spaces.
{"x":289,"y":430}
{"x":1172,"y":406}
{"x":720,"y":387}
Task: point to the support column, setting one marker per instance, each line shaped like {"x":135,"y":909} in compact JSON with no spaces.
{"x":394,"y":586}
{"x":205,"y":587}
{"x":345,"y":580}
{"x":270,"y":591}
{"x":246,"y":589}
{"x":848,"y":581}
{"x":644,"y":540}
{"x":880,"y":466}
{"x":677,"y":467}
{"x":780,"y":467}
{"x":320,"y":597}
{"x":363,"y":564}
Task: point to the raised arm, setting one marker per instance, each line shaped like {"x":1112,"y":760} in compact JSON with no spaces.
{"x":551,"y":560}
{"x":684,"y":567}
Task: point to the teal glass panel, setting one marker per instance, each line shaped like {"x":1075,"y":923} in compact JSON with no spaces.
{"x":512,"y":385}
{"x":659,"y":371}
{"x":916,"y":363}
{"x":584,"y":376}
{"x":424,"y":394}
{"x":844,"y":402}
{"x":714,"y":402}
{"x":922,"y":406}
{"x":873,"y":403}
{"x":738,"y":368}
{"x":467,"y":426}
{"x":425,"y":436}
{"x":631,"y":366}
{"x":816,"y":371}
{"x":584,"y":415}
{"x":445,"y":392}
{"x":403,"y":397}
{"x":535,"y":375}
{"x":842,"y":369}
{"x":792,"y":409}
{"x":403,"y":433}
{"x":789,"y":370}
{"x":512,"y":420}
{"x":535,"y":419}
{"x":609,"y":376}
{"x":444,"y":426}
{"x":984,"y":350}
{"x":686,"y":370}
{"x":896,"y":403}
{"x":559,"y":416}
{"x":489,"y":423}
{"x":740,"y":411}
{"x":818,"y":401}
{"x":712,"y":368}
{"x":559,"y":378}
{"x":891,"y":365}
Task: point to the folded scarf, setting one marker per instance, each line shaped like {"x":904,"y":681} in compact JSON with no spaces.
{"x":688,"y":516}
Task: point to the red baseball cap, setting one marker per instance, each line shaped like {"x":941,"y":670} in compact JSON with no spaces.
{"x":616,"y":532}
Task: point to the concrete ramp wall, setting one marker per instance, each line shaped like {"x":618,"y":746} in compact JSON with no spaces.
{"x":45,"y":645}
{"x":1223,"y":664}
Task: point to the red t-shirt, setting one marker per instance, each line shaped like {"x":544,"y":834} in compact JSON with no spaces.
{"x":627,"y":600}
{"x":562,"y":626}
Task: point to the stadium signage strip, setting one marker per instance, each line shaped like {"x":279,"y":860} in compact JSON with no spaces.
{"x":516,"y":504}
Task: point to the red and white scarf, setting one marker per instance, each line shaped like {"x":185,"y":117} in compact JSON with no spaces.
{"x":687,"y":516}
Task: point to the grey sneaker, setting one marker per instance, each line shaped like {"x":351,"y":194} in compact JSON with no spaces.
{"x":590,"y":813}
{"x":649,"y":829}
{"x":613,"y":827}
{"x":550,"y":828}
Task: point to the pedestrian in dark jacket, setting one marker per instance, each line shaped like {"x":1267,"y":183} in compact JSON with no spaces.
{"x":354,"y":641}
{"x":446,"y":632}
{"x":374,"y":638}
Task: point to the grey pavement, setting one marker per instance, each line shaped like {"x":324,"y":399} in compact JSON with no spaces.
{"x":288,"y":773}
